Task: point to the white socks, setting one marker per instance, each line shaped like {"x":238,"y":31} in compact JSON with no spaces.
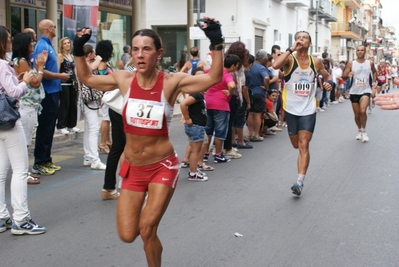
{"x":301,"y":177}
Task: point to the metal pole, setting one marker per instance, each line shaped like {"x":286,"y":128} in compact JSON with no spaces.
{"x":198,"y":17}
{"x":317,"y":23}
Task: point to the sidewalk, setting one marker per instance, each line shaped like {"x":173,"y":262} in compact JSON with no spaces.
{"x":59,"y":138}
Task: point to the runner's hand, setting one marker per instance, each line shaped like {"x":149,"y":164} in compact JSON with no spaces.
{"x":212,"y":30}
{"x":79,"y":41}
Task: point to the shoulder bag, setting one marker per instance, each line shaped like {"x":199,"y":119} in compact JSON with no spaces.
{"x":9,"y":113}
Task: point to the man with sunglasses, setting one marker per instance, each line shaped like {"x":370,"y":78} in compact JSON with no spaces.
{"x":299,"y":101}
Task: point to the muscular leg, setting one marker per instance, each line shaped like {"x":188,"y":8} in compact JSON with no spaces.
{"x":301,"y":141}
{"x":158,"y":200}
{"x":128,"y":213}
{"x":356,"y":111}
{"x":364,"y":103}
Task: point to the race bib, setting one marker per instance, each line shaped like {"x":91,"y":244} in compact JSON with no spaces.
{"x":145,"y":113}
{"x":360,"y":82}
{"x":302,"y":89}
{"x":381,"y":78}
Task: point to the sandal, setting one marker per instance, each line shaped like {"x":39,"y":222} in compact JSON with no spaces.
{"x":103,"y":149}
{"x":184,"y":164}
{"x":205,"y":167}
{"x":32,"y":180}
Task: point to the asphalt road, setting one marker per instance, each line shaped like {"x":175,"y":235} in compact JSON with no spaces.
{"x":347,"y":215}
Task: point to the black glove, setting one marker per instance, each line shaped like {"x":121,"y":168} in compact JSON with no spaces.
{"x":212,"y":31}
{"x":332,"y":84}
{"x":79,"y":42}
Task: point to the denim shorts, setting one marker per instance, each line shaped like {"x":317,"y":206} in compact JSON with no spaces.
{"x":217,"y":123}
{"x":195,"y":133}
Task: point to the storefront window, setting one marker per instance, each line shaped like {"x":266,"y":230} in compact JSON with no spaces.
{"x":30,"y":18}
{"x":15,"y":20}
{"x":117,"y":29}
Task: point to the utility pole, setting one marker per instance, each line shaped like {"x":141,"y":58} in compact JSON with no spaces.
{"x":317,"y":24}
{"x":198,"y":17}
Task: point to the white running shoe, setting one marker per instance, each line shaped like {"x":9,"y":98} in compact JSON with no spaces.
{"x":74,"y":129}
{"x":365,"y":138}
{"x":63,"y":131}
{"x":98,"y":165}
{"x":359,"y":135}
{"x":233,"y":154}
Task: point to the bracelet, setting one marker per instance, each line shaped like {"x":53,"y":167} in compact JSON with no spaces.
{"x":40,"y":72}
{"x":289,"y":50}
{"x":27,"y":83}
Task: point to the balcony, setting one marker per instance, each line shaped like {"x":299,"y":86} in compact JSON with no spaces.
{"x":347,"y":30}
{"x":296,"y":3}
{"x":326,"y":10}
{"x":353,"y":4}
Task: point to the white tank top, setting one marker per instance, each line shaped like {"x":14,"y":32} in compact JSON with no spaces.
{"x":361,"y":80}
{"x":300,"y":89}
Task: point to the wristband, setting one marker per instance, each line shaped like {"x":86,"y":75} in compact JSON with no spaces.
{"x":332,"y":84}
{"x":40,"y":72}
{"x":217,"y":47}
{"x":289,"y":50}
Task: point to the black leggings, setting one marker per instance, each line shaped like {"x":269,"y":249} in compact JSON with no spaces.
{"x":118,"y":145}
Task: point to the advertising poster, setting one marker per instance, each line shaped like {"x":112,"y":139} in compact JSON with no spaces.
{"x":80,"y":14}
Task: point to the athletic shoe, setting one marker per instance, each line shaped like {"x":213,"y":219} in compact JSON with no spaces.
{"x":42,"y":170}
{"x":74,"y":129}
{"x":27,"y":227}
{"x":372,"y":103}
{"x":52,"y":166}
{"x":275,"y":129}
{"x":87,"y":162}
{"x":359,"y":135}
{"x":98,"y":165}
{"x":297,"y":189}
{"x":233,"y":154}
{"x":198,"y":177}
{"x":334,"y":102}
{"x":206,"y":157}
{"x":270,"y":132}
{"x":63,"y":131}
{"x":319,"y":110}
{"x":365,"y":138}
{"x":220,"y":158}
{"x":5,"y":224}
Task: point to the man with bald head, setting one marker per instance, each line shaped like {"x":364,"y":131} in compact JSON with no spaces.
{"x":52,"y":86}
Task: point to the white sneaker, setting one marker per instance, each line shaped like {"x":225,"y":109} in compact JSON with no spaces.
{"x":276,"y":129}
{"x":63,"y":131}
{"x":87,"y":162}
{"x":334,"y":102}
{"x":365,"y":138}
{"x":74,"y":129}
{"x":319,"y":110}
{"x":232,"y":154}
{"x":98,"y":165}
{"x":359,"y":135}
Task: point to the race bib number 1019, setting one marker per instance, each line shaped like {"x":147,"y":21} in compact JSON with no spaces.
{"x":302,"y":89}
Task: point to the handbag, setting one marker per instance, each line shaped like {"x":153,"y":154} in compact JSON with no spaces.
{"x":114,"y":100}
{"x":9,"y":113}
{"x":90,"y":94}
{"x":270,"y":116}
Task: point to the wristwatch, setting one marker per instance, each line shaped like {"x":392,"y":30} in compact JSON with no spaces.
{"x":289,"y":50}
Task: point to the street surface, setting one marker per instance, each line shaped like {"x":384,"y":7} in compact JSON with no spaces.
{"x":347,"y":214}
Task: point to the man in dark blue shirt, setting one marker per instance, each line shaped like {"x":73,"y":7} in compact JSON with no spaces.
{"x":52,"y":86}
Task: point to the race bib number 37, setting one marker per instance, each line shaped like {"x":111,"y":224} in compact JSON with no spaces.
{"x":145,"y":113}
{"x":302,"y":89}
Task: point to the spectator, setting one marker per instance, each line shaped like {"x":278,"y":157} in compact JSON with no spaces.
{"x":193,"y":63}
{"x":52,"y":79}
{"x":68,"y":114}
{"x":104,"y":49}
{"x":126,"y":54}
{"x":92,"y":129}
{"x":14,"y":151}
{"x":29,"y":103}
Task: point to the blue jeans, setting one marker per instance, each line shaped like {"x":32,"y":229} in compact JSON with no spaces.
{"x":45,"y":129}
{"x":217,"y":121}
{"x":195,"y":133}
